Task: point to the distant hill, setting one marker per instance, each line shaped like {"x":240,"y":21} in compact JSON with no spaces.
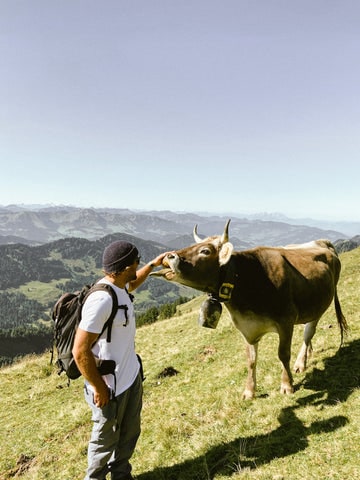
{"x":19,"y":224}
{"x":61,"y":259}
{"x":347,"y":245}
{"x":33,"y":277}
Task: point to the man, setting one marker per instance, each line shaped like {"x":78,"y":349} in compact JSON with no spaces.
{"x":115,"y":400}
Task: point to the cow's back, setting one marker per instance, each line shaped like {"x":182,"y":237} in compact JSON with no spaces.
{"x":296,"y":280}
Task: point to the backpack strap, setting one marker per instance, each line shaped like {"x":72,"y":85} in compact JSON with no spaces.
{"x":131,"y":296}
{"x":109,"y":322}
{"x":125,"y":308}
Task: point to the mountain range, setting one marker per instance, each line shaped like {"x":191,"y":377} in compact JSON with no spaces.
{"x":35,"y":225}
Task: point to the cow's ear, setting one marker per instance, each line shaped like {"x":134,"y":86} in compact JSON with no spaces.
{"x":225,"y":253}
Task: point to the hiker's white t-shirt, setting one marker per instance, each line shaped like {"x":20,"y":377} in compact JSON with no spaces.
{"x":95,"y":312}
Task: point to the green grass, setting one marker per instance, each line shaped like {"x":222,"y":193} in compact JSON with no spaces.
{"x":194,"y":424}
{"x":40,"y":291}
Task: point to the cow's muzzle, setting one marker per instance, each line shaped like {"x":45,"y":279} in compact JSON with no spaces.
{"x":169,"y":262}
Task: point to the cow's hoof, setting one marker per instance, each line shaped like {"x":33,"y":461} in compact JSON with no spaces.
{"x":299,"y":368}
{"x":286,"y":389}
{"x":248,"y":395}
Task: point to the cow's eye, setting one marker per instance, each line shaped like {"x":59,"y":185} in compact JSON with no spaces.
{"x":205,"y":251}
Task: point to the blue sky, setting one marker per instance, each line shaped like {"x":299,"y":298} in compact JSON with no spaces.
{"x":238,"y":106}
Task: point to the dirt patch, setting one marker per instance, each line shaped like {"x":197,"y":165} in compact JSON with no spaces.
{"x":168,"y":372}
{"x":23,"y":464}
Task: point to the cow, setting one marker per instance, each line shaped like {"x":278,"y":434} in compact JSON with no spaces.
{"x":265,"y":289}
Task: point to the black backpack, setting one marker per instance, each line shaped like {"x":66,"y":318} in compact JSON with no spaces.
{"x":66,"y":314}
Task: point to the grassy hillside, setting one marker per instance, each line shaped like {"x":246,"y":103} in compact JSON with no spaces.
{"x":195,"y":425}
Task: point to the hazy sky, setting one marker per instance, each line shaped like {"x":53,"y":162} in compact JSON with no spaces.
{"x":193,"y":105}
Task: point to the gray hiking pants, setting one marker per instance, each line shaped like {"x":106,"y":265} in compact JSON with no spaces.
{"x":116,"y":429}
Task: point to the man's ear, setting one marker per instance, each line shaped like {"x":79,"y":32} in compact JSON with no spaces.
{"x":225,"y":253}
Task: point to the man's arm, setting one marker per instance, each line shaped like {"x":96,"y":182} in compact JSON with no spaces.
{"x":85,"y":361}
{"x":143,"y":272}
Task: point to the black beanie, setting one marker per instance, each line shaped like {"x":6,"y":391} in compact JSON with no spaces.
{"x":119,"y":255}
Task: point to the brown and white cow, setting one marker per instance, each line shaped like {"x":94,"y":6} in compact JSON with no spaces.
{"x":265,"y":289}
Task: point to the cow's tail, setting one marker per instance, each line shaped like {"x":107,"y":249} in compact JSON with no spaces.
{"x":340,"y":318}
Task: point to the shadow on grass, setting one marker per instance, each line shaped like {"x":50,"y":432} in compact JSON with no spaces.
{"x":333,"y":384}
{"x":340,"y":376}
{"x":248,"y":453}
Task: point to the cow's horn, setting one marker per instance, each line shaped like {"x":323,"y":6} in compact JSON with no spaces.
{"x":225,"y":235}
{"x":196,"y":236}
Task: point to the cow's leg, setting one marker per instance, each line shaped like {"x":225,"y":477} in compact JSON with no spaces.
{"x":284,"y":353}
{"x":250,"y":387}
{"x":306,"y":347}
